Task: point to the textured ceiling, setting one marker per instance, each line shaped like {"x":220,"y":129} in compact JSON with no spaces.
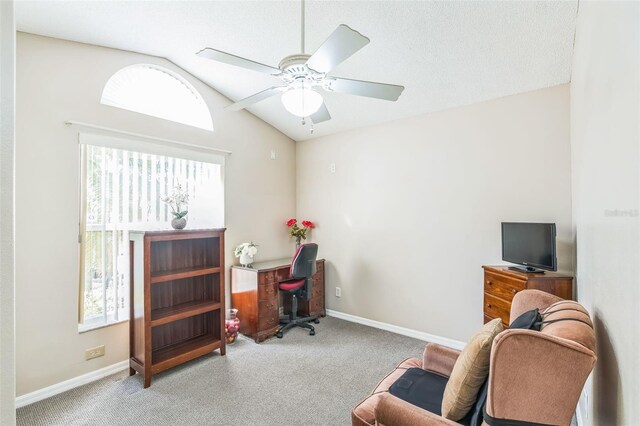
{"x":446,"y":54}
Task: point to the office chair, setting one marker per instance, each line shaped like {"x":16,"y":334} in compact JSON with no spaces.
{"x":299,"y":284}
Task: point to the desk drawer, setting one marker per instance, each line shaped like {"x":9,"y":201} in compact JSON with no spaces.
{"x":317,"y":291}
{"x":268,"y":320}
{"x":316,"y":306}
{"x":501,"y":286}
{"x":267,"y":277}
{"x":495,"y":307}
{"x":268,"y":291}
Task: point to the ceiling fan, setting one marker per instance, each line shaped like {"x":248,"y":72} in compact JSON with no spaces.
{"x":302,"y":74}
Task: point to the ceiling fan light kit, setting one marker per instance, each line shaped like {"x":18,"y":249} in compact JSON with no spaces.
{"x":301,"y":102}
{"x":302,"y":74}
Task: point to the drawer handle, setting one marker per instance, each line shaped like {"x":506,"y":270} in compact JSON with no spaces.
{"x":489,"y":283}
{"x":488,"y":305}
{"x":514,"y":290}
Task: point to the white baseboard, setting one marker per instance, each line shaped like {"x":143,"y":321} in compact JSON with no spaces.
{"x":455,"y":344}
{"x":52,"y":390}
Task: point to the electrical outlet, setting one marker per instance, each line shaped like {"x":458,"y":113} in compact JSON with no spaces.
{"x":273,"y":154}
{"x":94,"y":352}
{"x":332,"y":167}
{"x":338,"y":292}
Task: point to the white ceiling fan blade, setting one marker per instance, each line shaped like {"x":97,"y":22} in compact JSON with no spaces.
{"x":340,"y":45}
{"x":321,"y":115}
{"x":388,"y":92}
{"x":228,"y":58}
{"x":260,"y":96}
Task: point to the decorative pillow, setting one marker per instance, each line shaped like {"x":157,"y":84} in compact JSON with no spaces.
{"x":469,"y":372}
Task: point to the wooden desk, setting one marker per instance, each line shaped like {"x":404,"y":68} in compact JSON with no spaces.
{"x":254,"y":293}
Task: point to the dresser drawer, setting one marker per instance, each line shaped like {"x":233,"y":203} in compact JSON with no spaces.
{"x":268,"y":291}
{"x":501,"y":286}
{"x":495,"y":307}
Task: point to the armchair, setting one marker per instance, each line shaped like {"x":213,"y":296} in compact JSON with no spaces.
{"x":534,"y":376}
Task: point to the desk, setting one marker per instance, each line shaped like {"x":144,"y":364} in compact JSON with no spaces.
{"x":254,"y":293}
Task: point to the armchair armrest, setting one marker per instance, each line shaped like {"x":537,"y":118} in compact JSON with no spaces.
{"x":536,"y":377}
{"x":439,"y":359}
{"x":392,"y":411}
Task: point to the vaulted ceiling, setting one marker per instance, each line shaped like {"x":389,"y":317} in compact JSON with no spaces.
{"x":446,"y":54}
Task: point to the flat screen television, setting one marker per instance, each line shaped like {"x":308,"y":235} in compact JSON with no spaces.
{"x":532,"y":245}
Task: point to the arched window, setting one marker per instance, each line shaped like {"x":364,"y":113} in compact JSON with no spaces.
{"x":159,"y":92}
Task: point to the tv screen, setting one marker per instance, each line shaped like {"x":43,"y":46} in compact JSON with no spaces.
{"x":530,"y":244}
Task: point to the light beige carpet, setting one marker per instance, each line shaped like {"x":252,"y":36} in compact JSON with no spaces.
{"x":297,"y":380}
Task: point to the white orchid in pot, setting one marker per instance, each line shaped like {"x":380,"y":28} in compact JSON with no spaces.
{"x":245,"y":252}
{"x":178,"y":202}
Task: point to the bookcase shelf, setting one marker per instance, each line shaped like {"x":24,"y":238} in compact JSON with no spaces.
{"x":177,"y":298}
{"x":183,"y":310}
{"x":177,"y":274}
{"x":185,"y":350}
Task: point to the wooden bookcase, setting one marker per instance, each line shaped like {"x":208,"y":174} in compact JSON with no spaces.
{"x":177,"y":298}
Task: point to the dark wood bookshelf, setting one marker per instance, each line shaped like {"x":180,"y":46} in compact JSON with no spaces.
{"x":177,"y":298}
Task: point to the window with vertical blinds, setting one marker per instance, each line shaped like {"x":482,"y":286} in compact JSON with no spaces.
{"x":122,"y":191}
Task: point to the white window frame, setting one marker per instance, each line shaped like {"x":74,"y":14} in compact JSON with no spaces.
{"x":166,"y":148}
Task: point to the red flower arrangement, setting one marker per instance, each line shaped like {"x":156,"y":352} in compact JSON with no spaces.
{"x":299,"y":232}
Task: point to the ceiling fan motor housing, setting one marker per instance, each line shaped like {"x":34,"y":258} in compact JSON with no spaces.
{"x":295,"y":70}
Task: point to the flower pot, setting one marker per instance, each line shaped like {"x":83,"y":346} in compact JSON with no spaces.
{"x":179,"y":223}
{"x":246,"y":260}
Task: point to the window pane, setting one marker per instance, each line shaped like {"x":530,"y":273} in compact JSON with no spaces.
{"x":122,"y":192}
{"x":159,"y":92}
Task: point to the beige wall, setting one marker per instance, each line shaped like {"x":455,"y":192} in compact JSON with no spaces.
{"x":605,"y":138}
{"x":414,"y":207}
{"x":7,"y":149}
{"x":59,"y":81}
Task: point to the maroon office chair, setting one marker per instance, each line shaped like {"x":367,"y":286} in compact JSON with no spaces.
{"x":299,"y":284}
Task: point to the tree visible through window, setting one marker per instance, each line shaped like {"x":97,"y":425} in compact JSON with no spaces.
{"x":122,"y":191}
{"x":159,"y":92}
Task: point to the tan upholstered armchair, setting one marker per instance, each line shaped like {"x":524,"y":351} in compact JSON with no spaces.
{"x":534,"y":376}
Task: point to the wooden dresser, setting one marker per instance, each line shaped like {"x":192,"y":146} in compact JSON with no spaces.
{"x":502,"y":283}
{"x":254,"y":293}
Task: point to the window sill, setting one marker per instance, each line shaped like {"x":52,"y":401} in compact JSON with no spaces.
{"x":82,"y":328}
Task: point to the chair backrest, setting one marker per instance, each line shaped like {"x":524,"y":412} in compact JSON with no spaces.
{"x":303,"y":265}
{"x":538,"y":376}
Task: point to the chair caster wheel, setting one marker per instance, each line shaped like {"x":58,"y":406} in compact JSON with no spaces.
{"x":316,"y":321}
{"x":279,"y":334}
{"x":312,"y":333}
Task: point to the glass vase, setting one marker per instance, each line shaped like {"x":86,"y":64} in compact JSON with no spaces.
{"x":231,"y":326}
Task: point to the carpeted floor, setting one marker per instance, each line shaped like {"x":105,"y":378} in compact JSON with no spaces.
{"x":297,"y":380}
